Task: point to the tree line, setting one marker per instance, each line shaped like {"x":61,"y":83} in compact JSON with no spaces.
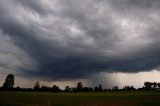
{"x":9,"y":85}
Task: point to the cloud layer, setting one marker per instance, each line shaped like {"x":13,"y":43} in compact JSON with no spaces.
{"x":66,"y":39}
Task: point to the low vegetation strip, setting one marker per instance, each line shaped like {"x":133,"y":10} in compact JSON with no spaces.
{"x":117,"y":98}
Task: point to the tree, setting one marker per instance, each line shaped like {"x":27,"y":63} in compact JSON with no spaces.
{"x":147,"y":85}
{"x":9,"y":82}
{"x":115,"y":88}
{"x":100,"y":87}
{"x":79,"y":86}
{"x":55,"y":88}
{"x":158,"y":84}
{"x":154,"y":85}
{"x":37,"y":85}
{"x":96,"y":89}
{"x":67,"y":88}
{"x":45,"y":88}
{"x":128,"y":88}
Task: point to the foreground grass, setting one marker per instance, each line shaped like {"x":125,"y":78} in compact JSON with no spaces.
{"x":135,"y":98}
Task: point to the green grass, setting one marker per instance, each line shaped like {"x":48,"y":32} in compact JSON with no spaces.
{"x":134,"y":98}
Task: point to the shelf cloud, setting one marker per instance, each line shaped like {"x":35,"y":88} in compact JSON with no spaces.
{"x":71,"y":39}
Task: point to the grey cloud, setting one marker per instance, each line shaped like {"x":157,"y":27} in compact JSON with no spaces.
{"x":34,"y":6}
{"x":77,"y":38}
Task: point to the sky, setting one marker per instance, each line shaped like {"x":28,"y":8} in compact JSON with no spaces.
{"x":94,"y":41}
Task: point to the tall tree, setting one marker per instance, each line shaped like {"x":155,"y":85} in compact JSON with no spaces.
{"x":67,"y":88}
{"x":9,"y":82}
{"x":100,"y":87}
{"x":79,"y":86}
{"x":37,"y":85}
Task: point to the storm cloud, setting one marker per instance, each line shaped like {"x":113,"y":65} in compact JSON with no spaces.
{"x":71,"y":39}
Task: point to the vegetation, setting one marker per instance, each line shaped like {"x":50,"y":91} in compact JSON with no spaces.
{"x":111,"y":98}
{"x":9,"y":86}
{"x":9,"y":82}
{"x":53,"y":96}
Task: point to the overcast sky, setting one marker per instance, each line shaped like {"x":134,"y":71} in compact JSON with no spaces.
{"x":55,"y":40}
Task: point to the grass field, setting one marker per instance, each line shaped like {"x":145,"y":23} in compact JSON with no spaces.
{"x":135,"y":98}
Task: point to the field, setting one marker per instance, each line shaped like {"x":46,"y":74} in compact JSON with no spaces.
{"x":134,"y":98}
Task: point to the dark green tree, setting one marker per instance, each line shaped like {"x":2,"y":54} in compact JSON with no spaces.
{"x":158,"y":84}
{"x":9,"y":82}
{"x":79,"y":86}
{"x":67,"y":88}
{"x":96,"y":89}
{"x":37,"y":85}
{"x":100,"y":87}
{"x":154,"y":84}
{"x":147,"y":85}
{"x":55,"y":88}
{"x":115,"y":88}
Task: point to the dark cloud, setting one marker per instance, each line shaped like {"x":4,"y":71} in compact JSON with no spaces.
{"x":33,"y":6}
{"x":69,"y":39}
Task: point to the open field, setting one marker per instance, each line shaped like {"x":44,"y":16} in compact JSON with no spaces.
{"x":136,"y":98}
